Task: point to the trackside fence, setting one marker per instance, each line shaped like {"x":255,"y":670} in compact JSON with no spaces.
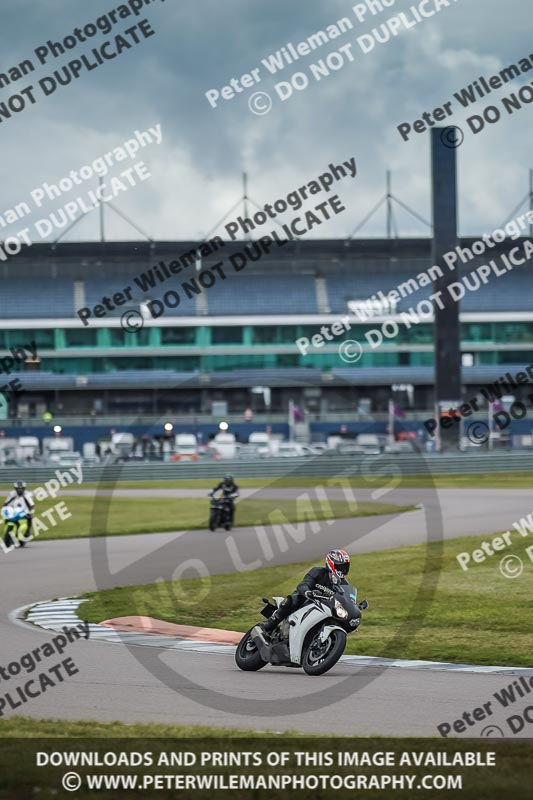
{"x":319,"y":466}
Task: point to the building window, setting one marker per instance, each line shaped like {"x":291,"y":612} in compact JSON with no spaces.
{"x":43,"y":338}
{"x":275,"y":334}
{"x":227,"y":335}
{"x":177,"y":336}
{"x":77,"y":337}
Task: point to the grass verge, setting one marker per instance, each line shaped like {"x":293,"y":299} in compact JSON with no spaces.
{"x":28,"y":728}
{"x":152,"y":515}
{"x":422,"y":605}
{"x":479,"y":480}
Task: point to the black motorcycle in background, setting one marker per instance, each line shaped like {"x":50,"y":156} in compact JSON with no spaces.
{"x":220,"y":514}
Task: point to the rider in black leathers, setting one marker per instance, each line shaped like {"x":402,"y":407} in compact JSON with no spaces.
{"x":229,"y":487}
{"x":337,"y":566}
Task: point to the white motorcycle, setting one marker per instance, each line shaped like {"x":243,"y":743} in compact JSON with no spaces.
{"x":313,"y":637}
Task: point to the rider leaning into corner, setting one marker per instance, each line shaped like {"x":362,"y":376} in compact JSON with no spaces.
{"x":20,"y":498}
{"x":337,"y":566}
{"x":230,"y":490}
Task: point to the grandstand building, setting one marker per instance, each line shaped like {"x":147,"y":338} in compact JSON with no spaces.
{"x":242,"y":330}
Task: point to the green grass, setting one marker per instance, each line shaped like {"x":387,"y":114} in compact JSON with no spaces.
{"x":119,"y":516}
{"x":28,"y":728}
{"x":422,"y":605}
{"x":479,"y":480}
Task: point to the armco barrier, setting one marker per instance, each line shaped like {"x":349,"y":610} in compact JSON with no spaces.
{"x":407,"y":464}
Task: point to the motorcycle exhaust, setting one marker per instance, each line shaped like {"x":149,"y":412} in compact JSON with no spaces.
{"x":258,"y":636}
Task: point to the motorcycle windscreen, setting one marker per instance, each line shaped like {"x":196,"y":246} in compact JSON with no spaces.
{"x":348,"y":597}
{"x":350,"y":592}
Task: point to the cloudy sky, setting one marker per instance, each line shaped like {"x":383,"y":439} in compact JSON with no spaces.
{"x":196,"y":172}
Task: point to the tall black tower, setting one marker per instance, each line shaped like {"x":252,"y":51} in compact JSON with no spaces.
{"x":447,"y":332}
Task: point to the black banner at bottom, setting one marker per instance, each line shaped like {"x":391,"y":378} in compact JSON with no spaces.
{"x":265,"y":768}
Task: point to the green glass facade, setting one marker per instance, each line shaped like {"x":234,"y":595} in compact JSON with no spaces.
{"x":211,"y":348}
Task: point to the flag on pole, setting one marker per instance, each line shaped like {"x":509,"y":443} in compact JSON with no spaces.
{"x":494,"y":408}
{"x":397,"y":411}
{"x":291,"y":421}
{"x":394,"y":412}
{"x":299,"y":415}
{"x":295,"y":415}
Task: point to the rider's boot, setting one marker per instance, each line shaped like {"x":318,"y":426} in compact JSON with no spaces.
{"x":270,"y":624}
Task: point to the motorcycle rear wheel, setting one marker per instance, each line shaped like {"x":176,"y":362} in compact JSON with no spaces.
{"x":319,"y":657}
{"x":247,"y":655}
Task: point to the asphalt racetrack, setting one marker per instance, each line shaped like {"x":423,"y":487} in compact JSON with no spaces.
{"x":116,"y":682}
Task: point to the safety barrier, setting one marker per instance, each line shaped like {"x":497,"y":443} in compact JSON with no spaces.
{"x":318,"y":466}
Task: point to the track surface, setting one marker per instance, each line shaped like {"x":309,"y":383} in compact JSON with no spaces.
{"x":112,"y":684}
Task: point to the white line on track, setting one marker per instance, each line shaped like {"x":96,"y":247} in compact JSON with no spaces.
{"x":54,"y":614}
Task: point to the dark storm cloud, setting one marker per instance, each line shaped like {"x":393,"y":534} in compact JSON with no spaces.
{"x":197,"y":170}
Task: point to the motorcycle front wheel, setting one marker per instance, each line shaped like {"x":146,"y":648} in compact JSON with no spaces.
{"x":213,"y":520}
{"x":247,"y":655}
{"x":319,"y":657}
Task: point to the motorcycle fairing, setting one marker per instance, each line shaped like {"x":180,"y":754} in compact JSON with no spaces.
{"x":304,"y":620}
